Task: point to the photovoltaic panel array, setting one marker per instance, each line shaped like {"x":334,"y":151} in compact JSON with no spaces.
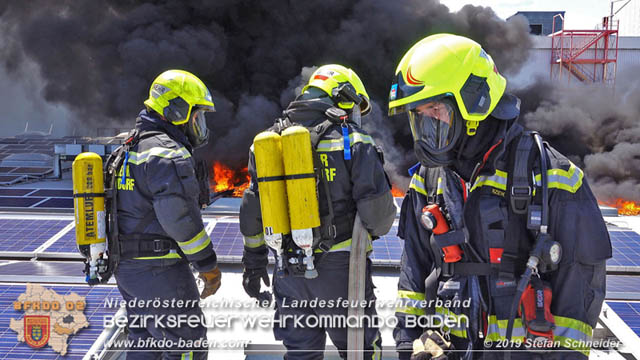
{"x":27,"y":235}
{"x":228,"y":243}
{"x":78,"y":344}
{"x":629,"y":312}
{"x":626,"y":250}
{"x":67,"y":243}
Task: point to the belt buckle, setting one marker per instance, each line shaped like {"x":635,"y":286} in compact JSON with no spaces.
{"x":323,"y":246}
{"x":157,"y":245}
{"x":521,"y":192}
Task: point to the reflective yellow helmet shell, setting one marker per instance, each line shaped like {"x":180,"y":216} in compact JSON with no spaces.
{"x":175,"y":93}
{"x":448,"y":65}
{"x":329,"y":77}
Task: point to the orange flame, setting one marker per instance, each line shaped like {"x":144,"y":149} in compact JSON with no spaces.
{"x":224,"y":178}
{"x":625,"y":207}
{"x":397,"y":192}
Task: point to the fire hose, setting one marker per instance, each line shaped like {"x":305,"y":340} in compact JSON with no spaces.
{"x":357,"y":285}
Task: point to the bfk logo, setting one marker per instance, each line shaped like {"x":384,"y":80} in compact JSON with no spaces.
{"x":36,"y":330}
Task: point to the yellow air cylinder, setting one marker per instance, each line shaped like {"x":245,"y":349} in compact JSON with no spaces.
{"x":301,"y":191}
{"x":301,"y":180}
{"x":88,"y":205}
{"x":267,"y":148}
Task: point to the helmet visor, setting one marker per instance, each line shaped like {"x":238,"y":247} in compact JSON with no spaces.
{"x":197,"y":131}
{"x":433,"y":124}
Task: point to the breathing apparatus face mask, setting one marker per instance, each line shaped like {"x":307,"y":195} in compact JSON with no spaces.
{"x":196,"y":128}
{"x":436,"y":128}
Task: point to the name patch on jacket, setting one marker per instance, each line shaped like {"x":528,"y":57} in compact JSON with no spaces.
{"x":129,"y":182}
{"x":330,"y":172}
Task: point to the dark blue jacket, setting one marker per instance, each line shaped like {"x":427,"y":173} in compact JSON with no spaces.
{"x":578,"y":284}
{"x":159,"y":197}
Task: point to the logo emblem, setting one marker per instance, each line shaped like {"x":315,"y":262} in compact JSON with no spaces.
{"x":36,"y":330}
{"x":394,"y":92}
{"x":411,"y":80}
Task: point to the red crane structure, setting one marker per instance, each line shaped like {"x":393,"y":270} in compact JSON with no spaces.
{"x":589,"y":56}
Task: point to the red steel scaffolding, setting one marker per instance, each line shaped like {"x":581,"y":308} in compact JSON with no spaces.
{"x":587,"y":55}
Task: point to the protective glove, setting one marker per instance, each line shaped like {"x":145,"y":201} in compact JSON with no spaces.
{"x":251,"y":283}
{"x":431,"y":346}
{"x":211,"y":281}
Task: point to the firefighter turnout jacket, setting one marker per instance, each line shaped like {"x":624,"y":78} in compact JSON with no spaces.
{"x":159,"y":217}
{"x":356,"y":185}
{"x":501,"y":239}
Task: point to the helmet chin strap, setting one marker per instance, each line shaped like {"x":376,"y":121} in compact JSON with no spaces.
{"x":471,"y":150}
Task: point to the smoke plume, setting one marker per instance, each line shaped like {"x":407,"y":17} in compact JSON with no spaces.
{"x":597,"y":128}
{"x":99,"y":58}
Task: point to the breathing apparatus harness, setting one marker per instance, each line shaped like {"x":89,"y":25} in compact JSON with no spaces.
{"x":330,"y":226}
{"x":136,"y":244}
{"x":459,"y":258}
{"x":545,"y":253}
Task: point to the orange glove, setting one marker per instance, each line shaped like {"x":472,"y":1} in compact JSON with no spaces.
{"x":211,"y":281}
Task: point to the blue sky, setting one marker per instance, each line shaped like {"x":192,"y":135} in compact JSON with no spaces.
{"x":580,"y":14}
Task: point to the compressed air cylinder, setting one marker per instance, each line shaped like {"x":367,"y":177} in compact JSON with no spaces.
{"x":267,"y":148}
{"x":301,"y":190}
{"x":89,"y":207}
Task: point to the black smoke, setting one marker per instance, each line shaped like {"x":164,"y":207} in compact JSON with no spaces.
{"x":98,"y":58}
{"x":596,"y":126}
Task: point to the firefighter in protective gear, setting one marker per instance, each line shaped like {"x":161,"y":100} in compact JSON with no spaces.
{"x":160,"y":225}
{"x":355,"y":185}
{"x":479,"y":164}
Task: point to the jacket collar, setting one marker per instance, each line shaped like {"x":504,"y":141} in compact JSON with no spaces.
{"x":307,"y":113}
{"x":150,"y":121}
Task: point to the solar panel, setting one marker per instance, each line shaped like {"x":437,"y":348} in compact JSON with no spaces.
{"x":227,"y":240}
{"x":65,"y":244}
{"x":26,"y":235}
{"x":53,"y":193}
{"x":626,"y":250}
{"x":32,"y":170}
{"x":19,"y":201}
{"x":60,"y":203}
{"x":387,"y":250}
{"x":10,"y":179}
{"x":78,"y":344}
{"x":14,"y":192}
{"x":6,"y":169}
{"x":44,"y":268}
{"x":623,"y":287}
{"x":629,"y":312}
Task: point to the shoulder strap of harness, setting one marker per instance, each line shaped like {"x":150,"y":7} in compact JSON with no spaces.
{"x":328,"y":230}
{"x":522,"y":201}
{"x":521,"y":195}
